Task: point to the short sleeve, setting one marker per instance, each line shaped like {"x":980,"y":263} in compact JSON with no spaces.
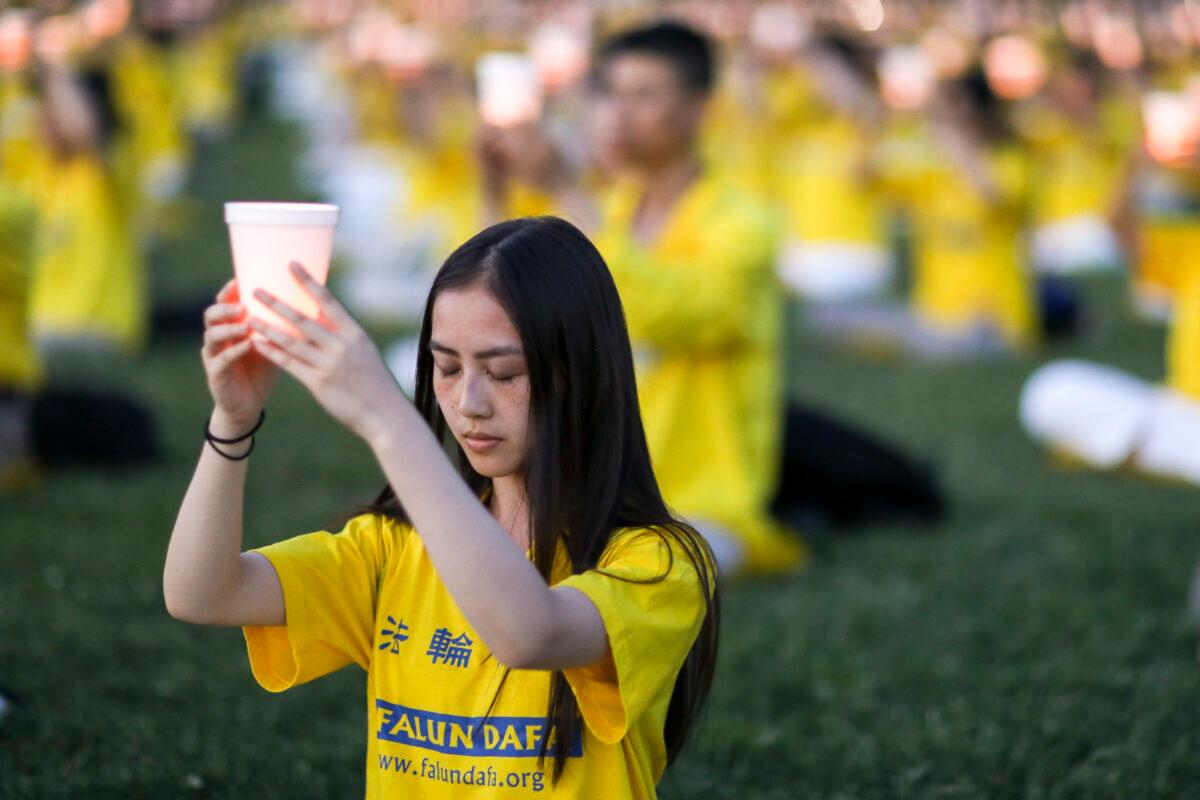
{"x":649,"y":596}
{"x":330,"y":583}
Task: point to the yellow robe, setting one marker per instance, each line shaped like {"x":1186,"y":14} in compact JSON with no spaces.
{"x":1169,"y":235}
{"x":19,"y":367}
{"x":1183,"y":339}
{"x":88,"y":281}
{"x":819,"y":183}
{"x":1077,"y":170}
{"x":968,"y":255}
{"x":705,"y":318}
{"x":151,"y":149}
{"x":204,"y":75}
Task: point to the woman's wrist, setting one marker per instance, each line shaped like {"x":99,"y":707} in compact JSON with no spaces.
{"x":228,"y":426}
{"x":390,"y":423}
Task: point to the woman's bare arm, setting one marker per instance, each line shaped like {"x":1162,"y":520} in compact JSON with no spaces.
{"x":206,"y":577}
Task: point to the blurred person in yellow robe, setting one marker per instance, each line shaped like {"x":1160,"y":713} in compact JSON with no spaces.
{"x":962,"y":183}
{"x":40,"y":425}
{"x":88,"y":284}
{"x":836,"y":246}
{"x":1099,"y":416}
{"x":1161,"y":221}
{"x":1080,"y":154}
{"x":150,"y":149}
{"x":204,"y":74}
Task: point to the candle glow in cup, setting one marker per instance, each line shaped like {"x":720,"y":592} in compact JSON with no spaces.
{"x":509,"y":92}
{"x":265,"y":239}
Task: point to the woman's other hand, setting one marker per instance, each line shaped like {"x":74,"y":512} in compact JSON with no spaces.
{"x":334,"y":358}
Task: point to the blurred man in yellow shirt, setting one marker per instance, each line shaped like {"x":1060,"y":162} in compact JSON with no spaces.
{"x":693,"y":257}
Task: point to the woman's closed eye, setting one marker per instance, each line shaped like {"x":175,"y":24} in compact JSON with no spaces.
{"x":448,"y":370}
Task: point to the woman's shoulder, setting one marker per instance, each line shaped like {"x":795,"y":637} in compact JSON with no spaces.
{"x":673,"y":550}
{"x":376,"y":531}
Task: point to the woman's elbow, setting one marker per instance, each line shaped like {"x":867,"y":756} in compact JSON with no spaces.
{"x":181,"y":609}
{"x":518,"y":655}
{"x":532,"y":647}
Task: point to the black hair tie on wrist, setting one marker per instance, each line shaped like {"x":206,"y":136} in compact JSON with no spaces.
{"x":213,"y":441}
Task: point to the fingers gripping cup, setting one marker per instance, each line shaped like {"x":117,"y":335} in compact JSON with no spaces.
{"x":265,"y":239}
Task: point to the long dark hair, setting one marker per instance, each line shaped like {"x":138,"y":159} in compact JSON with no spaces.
{"x":588,"y":469}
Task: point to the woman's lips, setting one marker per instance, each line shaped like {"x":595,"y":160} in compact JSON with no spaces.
{"x":478,"y":443}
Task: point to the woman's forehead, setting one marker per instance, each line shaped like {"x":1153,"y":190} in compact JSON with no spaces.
{"x":472,"y":320}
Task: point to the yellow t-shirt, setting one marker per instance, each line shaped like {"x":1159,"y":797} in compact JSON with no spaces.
{"x":704,"y":311}
{"x":370,"y":595}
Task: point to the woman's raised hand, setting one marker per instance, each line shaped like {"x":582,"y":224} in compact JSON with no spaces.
{"x":334,"y":358}
{"x":239,"y":379}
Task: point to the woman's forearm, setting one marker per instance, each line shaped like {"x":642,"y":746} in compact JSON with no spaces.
{"x":523,"y":622}
{"x":204,"y":556}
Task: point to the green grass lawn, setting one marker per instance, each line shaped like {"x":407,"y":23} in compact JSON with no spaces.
{"x":1032,"y":645}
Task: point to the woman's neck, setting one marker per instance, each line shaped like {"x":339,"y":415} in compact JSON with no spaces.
{"x":510,"y":506}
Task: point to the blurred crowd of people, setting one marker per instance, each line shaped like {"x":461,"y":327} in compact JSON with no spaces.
{"x":926,"y":178}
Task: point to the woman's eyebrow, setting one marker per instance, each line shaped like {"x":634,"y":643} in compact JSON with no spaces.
{"x":493,"y":352}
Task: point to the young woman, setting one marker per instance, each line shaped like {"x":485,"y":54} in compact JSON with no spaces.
{"x":531,"y":619}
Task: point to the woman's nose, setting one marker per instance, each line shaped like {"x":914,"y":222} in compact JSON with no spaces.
{"x":474,"y":401}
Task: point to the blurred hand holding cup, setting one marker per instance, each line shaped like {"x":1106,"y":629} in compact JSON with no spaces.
{"x":265,"y":238}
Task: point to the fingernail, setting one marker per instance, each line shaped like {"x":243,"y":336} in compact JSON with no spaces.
{"x":262,"y":294}
{"x":295,"y":265}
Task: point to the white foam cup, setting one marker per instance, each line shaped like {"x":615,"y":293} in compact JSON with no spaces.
{"x":265,"y":238}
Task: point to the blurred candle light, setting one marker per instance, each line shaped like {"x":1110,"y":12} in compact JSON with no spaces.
{"x":906,"y":77}
{"x":322,"y":15}
{"x":1117,"y":42}
{"x":103,"y":19}
{"x":16,"y":40}
{"x":778,"y":30}
{"x":1015,"y":66}
{"x":509,"y":92}
{"x":1180,"y":24}
{"x":406,"y":51}
{"x":868,"y":14}
{"x":559,"y":53}
{"x":949,"y":53}
{"x":1076,"y":23}
{"x":367,"y":37}
{"x":1170,"y":122}
{"x":56,"y":38}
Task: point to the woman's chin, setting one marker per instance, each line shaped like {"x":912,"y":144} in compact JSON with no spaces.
{"x":489,"y":466}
